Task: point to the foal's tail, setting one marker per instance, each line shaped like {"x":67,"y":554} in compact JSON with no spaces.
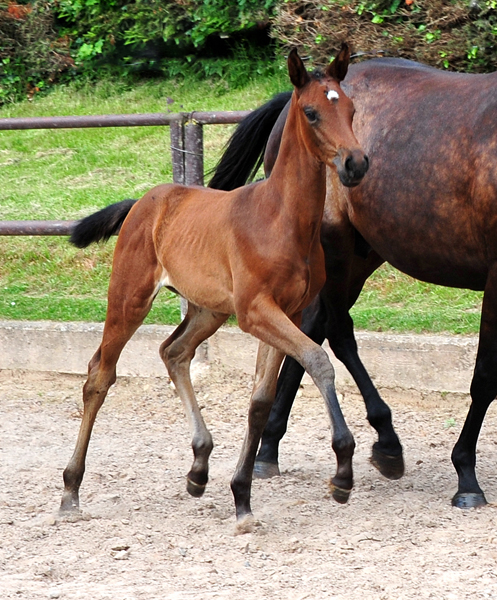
{"x":101,"y":225}
{"x":245,"y":149}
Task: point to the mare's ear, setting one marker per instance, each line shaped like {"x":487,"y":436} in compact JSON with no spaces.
{"x":338,"y":68}
{"x":296,"y":69}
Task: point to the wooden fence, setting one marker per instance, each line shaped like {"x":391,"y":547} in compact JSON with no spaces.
{"x":187,"y":149}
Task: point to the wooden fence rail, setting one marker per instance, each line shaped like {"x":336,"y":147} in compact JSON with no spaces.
{"x":187,"y":149}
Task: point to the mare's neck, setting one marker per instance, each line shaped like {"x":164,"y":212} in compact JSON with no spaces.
{"x":298,"y":177}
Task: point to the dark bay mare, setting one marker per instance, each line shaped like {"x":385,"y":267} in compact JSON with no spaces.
{"x":254,"y":252}
{"x":428,"y":207}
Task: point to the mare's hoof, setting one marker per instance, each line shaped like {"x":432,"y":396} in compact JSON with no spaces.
{"x":194,"y":489}
{"x":391,"y":467}
{"x":266,"y":470}
{"x":339,"y":494}
{"x":469,"y":500}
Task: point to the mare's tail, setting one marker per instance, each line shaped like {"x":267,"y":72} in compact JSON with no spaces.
{"x":245,"y":149}
{"x":101,"y":225}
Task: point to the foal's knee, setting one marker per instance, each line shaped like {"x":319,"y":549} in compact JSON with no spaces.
{"x":317,"y":363}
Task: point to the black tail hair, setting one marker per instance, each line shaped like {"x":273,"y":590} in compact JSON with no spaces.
{"x":101,"y":225}
{"x":245,"y":149}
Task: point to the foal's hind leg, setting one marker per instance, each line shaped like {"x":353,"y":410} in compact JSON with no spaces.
{"x":130,"y":299}
{"x":268,"y":364}
{"x":177,"y":352}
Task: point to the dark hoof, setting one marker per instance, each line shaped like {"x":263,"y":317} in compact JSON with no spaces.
{"x":391,"y":467}
{"x":194,"y":489}
{"x":339,"y":494}
{"x":266,"y":470}
{"x":469,"y":500}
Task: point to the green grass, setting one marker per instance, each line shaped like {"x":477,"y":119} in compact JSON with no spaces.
{"x":393,"y":301}
{"x":67,"y":174}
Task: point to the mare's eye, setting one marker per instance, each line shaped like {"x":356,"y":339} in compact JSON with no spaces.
{"x":311,"y":114}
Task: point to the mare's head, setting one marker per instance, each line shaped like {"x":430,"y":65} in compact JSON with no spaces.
{"x":326,"y":114}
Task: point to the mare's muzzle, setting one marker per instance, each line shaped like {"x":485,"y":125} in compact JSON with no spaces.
{"x":351,"y":167}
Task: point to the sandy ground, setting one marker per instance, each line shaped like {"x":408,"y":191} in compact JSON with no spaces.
{"x":143,"y":537}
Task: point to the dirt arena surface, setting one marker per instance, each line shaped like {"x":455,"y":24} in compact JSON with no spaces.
{"x":142,"y":537}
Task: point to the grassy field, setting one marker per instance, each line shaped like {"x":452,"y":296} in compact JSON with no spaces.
{"x":68,"y":174}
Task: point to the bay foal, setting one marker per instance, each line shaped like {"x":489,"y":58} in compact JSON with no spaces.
{"x":255,"y":252}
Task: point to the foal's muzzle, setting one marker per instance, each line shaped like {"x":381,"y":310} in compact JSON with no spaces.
{"x":351,"y":167}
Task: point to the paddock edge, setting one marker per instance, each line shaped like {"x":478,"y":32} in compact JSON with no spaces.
{"x":427,"y":363}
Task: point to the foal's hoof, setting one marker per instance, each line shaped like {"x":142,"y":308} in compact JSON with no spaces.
{"x":340,"y":495}
{"x":246,"y":524}
{"x":194,"y":489}
{"x":469,"y":500}
{"x":70,"y":514}
{"x":266,"y":470}
{"x":391,"y":467}
{"x":69,"y":505}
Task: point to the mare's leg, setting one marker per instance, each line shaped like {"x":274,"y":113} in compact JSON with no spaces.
{"x":387,"y":451}
{"x":271,"y":325}
{"x":483,"y":392}
{"x":131,"y":292}
{"x":177,"y":352}
{"x":266,"y":462}
{"x":268,"y":364}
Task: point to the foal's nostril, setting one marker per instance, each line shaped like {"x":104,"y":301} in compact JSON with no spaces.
{"x":356,"y":166}
{"x":351,"y":167}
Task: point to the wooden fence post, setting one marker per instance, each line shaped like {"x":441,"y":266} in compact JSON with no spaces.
{"x":188,"y":168}
{"x":177,"y":136}
{"x":194,"y":153}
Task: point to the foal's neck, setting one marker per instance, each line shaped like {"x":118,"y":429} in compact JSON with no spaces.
{"x":298,"y":176}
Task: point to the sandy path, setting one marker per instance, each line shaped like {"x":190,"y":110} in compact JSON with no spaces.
{"x":143,"y":537}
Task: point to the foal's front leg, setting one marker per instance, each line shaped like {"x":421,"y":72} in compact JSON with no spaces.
{"x":266,"y":462}
{"x":343,"y":285}
{"x":177,"y":352}
{"x":274,"y":327}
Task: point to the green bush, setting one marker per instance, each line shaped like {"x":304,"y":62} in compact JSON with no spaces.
{"x":141,"y":33}
{"x":32,"y":54}
{"x":457,"y":34}
{"x":42,"y":39}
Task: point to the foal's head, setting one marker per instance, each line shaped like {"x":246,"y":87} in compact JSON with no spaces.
{"x":326,"y":116}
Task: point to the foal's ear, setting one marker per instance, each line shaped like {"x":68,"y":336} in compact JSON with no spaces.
{"x":296,"y":69}
{"x":338,"y":68}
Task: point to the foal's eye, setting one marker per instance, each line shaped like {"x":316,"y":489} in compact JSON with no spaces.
{"x":311,"y":114}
